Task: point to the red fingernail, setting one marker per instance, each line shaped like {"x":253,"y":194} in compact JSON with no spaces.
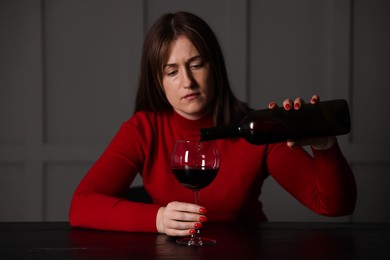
{"x":314,"y":100}
{"x":202,"y":219}
{"x":198,"y":225}
{"x":192,"y":231}
{"x":297,"y":105}
{"x":271,"y":105}
{"x":202,"y":210}
{"x":287,"y":106}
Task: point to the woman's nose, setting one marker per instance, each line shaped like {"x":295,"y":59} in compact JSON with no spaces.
{"x":187,"y":79}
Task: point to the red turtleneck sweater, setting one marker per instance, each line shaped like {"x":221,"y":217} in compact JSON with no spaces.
{"x":324,"y":183}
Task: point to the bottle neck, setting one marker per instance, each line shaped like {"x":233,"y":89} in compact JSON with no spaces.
{"x":221,"y":132}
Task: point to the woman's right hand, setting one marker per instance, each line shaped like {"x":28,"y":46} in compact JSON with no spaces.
{"x":180,"y":219}
{"x":319,"y":143}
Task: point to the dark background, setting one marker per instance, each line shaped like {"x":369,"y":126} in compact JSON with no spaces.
{"x":69,"y":69}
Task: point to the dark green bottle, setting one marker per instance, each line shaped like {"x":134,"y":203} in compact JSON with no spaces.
{"x":326,"y":118}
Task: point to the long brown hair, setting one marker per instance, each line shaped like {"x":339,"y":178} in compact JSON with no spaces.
{"x":227,"y":109}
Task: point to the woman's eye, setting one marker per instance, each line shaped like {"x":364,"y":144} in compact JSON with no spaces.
{"x":171,"y":73}
{"x":196,"y":66}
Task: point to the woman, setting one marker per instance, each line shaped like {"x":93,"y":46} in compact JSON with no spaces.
{"x":183,"y":87}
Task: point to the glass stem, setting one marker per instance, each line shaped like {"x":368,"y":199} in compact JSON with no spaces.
{"x":196,"y":199}
{"x":196,"y":196}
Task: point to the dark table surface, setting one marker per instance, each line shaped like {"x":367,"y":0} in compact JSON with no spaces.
{"x":234,"y":241}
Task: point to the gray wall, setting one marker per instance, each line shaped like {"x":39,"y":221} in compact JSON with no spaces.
{"x":68,"y":75}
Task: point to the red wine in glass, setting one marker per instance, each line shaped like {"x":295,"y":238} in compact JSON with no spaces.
{"x":195,"y":178}
{"x":195,"y":165}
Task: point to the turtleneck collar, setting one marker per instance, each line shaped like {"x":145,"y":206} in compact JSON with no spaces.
{"x":192,"y":125}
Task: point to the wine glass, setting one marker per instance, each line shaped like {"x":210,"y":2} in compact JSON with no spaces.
{"x":195,"y":164}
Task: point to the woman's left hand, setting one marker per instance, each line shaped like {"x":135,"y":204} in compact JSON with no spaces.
{"x":320,"y":143}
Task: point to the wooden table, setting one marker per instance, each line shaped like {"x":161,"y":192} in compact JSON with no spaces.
{"x":234,"y":241}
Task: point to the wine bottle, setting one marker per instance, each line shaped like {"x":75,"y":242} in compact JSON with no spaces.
{"x":326,"y":118}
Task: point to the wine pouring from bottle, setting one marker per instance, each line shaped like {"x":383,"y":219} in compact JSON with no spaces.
{"x":326,"y":118}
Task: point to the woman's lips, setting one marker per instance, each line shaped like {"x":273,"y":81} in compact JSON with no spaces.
{"x":191,"y":96}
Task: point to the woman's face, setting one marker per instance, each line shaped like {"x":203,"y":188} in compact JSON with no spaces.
{"x":186,"y":80}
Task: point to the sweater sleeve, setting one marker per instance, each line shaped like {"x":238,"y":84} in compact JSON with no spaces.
{"x":97,"y":202}
{"x":323,"y":182}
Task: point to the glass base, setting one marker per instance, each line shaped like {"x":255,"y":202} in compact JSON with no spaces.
{"x":196,"y":241}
